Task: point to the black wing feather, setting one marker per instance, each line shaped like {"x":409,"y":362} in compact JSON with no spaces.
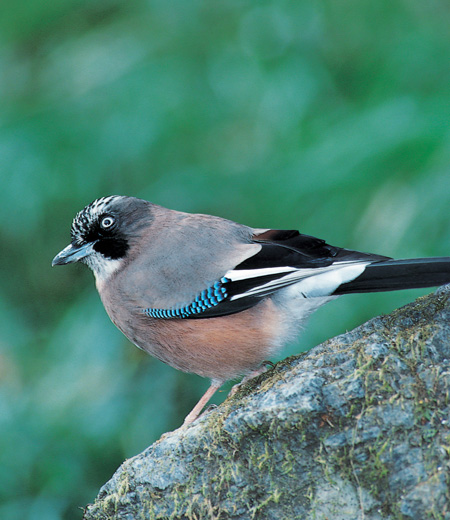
{"x":308,"y":251}
{"x":280,"y":248}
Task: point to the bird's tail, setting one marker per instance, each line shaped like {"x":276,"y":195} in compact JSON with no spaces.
{"x":393,"y":275}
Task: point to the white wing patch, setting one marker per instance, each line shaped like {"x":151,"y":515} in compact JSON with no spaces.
{"x":327,"y":282}
{"x":245,"y":274}
{"x":310,"y":283}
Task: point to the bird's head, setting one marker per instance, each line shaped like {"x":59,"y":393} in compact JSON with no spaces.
{"x":102,"y":233}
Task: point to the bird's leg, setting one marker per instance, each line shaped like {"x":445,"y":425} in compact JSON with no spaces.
{"x":265,"y":365}
{"x":193,"y":415}
{"x":201,"y":404}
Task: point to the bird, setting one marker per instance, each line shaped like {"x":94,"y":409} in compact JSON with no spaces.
{"x":209,"y":296}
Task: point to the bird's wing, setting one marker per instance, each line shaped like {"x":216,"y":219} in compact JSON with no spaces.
{"x":285,"y":258}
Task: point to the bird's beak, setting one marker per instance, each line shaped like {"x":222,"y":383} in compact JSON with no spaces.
{"x":71,"y":254}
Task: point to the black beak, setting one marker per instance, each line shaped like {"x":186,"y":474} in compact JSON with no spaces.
{"x":71,"y":254}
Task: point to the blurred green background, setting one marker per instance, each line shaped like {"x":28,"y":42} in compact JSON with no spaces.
{"x":332,"y":117}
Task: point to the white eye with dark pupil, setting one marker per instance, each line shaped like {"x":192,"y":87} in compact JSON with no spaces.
{"x":107,"y":222}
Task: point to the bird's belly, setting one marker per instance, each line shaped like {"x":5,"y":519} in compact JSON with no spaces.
{"x":219,"y":348}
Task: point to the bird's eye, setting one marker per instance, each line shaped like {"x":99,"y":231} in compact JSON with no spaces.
{"x":107,"y":222}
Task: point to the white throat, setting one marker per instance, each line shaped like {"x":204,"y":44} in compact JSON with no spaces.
{"x":103,"y":268}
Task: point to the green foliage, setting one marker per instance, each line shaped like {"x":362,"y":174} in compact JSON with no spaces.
{"x":331,"y":117}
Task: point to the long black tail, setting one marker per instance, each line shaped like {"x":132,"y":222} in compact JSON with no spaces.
{"x":393,"y":275}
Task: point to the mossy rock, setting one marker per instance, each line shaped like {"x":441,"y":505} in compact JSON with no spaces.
{"x":358,"y":428}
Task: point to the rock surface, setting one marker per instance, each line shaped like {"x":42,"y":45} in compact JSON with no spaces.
{"x":357,"y":428}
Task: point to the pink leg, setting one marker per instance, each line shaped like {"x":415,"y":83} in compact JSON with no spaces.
{"x":190,"y":418}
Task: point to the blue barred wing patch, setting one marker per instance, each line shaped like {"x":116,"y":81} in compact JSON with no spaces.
{"x":205,"y":300}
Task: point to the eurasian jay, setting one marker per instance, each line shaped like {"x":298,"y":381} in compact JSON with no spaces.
{"x":216,"y":298}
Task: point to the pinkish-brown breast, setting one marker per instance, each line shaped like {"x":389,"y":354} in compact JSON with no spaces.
{"x":219,"y":348}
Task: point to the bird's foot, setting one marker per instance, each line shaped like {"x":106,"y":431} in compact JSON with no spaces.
{"x":265,"y":365}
